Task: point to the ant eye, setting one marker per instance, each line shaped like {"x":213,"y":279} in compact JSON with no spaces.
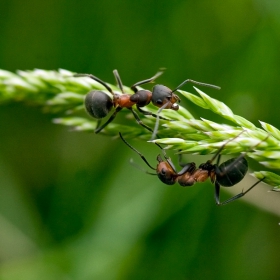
{"x":163,"y":171}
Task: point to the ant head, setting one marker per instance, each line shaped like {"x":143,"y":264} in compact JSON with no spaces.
{"x":165,"y":172}
{"x":98,"y":104}
{"x":141,"y":97}
{"x":163,"y":95}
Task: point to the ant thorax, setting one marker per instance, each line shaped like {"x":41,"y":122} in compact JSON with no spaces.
{"x":190,"y":178}
{"x":123,"y":100}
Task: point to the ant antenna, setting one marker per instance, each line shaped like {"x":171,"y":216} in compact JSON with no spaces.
{"x":196,"y":83}
{"x":151,"y":80}
{"x":133,"y":149}
{"x":140,"y":168}
{"x":118,"y":79}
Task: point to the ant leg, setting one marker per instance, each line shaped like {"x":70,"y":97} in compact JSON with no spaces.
{"x":189,"y":167}
{"x":217,"y":193}
{"x":109,"y":120}
{"x":139,"y":120}
{"x":118,"y":79}
{"x":114,"y":115}
{"x":133,"y":149}
{"x":140,"y":168}
{"x":180,"y":158}
{"x":168,"y":159}
{"x":218,"y":159}
{"x":223,"y":146}
{"x":97,"y":124}
{"x":96,"y":79}
{"x":157,"y":121}
{"x":147,"y":113}
{"x":133,"y":87}
{"x":196,"y":83}
{"x":186,"y":167}
{"x":232,"y":164}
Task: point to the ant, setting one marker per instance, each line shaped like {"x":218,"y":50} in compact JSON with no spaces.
{"x":98,"y":104}
{"x":227,"y":174}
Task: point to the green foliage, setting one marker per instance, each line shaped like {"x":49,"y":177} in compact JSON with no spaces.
{"x":71,"y":205}
{"x":60,"y":92}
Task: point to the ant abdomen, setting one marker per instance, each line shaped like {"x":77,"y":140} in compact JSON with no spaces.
{"x":98,"y":104}
{"x":231,"y":171}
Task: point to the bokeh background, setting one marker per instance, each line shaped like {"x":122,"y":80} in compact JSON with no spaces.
{"x":71,"y":205}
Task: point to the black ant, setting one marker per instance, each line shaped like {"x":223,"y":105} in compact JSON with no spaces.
{"x":98,"y":104}
{"x":227,"y":174}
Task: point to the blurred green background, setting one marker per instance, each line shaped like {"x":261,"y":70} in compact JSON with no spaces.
{"x":71,"y":205}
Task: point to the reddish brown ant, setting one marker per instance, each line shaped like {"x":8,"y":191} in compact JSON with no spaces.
{"x":98,"y":104}
{"x":227,"y":174}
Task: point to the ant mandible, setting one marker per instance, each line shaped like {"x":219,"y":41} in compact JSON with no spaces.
{"x":98,"y":104}
{"x":227,"y":174}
